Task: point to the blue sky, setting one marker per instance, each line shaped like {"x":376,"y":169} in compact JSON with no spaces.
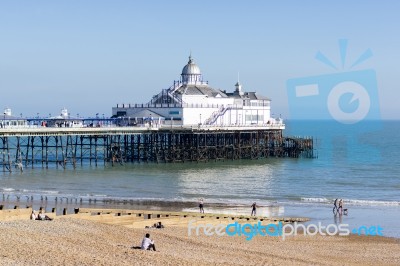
{"x":90,"y":55}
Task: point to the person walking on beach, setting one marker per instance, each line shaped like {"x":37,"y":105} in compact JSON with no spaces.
{"x":253,"y":209}
{"x":340,"y":208}
{"x":201,"y":205}
{"x":335,"y":207}
{"x":147,"y":243}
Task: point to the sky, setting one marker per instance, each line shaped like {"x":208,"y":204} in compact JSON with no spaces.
{"x":90,"y":55}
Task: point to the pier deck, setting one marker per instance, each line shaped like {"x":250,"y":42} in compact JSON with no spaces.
{"x":61,"y":131}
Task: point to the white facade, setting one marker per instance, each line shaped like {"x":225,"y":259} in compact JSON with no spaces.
{"x":9,"y":121}
{"x":191,"y":101}
{"x":63,"y":120}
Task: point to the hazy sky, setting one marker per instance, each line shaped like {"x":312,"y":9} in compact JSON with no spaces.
{"x":90,"y":55}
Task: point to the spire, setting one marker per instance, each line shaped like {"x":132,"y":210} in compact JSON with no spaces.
{"x":190,"y":58}
{"x":238,"y":82}
{"x":238,"y":86}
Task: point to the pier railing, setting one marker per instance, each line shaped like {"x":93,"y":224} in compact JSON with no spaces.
{"x":179,"y":105}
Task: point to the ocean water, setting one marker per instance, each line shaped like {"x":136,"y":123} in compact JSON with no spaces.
{"x":360,"y":165}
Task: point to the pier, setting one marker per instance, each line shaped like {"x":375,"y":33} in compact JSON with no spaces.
{"x":68,"y":147}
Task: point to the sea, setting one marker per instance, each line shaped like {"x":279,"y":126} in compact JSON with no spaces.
{"x":359,"y":165}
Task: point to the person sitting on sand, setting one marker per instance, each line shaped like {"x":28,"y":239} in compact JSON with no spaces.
{"x":159,"y":225}
{"x":147,"y":243}
{"x":42,"y":216}
{"x":33,"y":215}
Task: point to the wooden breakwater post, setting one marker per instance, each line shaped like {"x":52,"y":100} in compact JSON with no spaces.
{"x":62,"y":147}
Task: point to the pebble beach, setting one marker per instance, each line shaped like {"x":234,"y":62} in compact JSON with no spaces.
{"x":72,"y":241}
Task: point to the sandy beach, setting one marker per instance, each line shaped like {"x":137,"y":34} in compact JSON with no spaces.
{"x":70,"y":240}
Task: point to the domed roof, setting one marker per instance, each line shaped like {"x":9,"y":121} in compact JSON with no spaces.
{"x":191,"y":68}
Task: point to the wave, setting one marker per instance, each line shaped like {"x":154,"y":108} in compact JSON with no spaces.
{"x":7,"y":189}
{"x":354,"y":202}
{"x":40,"y":191}
{"x":94,"y":195}
{"x":321,"y":200}
{"x":373,"y":202}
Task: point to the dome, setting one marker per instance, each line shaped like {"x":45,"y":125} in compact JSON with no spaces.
{"x":191,"y":68}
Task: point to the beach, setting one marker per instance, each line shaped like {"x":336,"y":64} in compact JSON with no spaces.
{"x":71,"y":240}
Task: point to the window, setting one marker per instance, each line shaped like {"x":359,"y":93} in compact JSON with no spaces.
{"x":255,"y":118}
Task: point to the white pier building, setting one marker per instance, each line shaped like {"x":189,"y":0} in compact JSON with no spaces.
{"x":9,"y":121}
{"x":191,"y":101}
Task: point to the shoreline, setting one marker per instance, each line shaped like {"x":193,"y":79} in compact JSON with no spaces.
{"x":359,"y":216}
{"x":63,"y":207}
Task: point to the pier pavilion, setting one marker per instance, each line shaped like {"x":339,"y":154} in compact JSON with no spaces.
{"x":192,"y":101}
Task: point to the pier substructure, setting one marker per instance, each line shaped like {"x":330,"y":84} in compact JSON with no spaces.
{"x":68,"y":147}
